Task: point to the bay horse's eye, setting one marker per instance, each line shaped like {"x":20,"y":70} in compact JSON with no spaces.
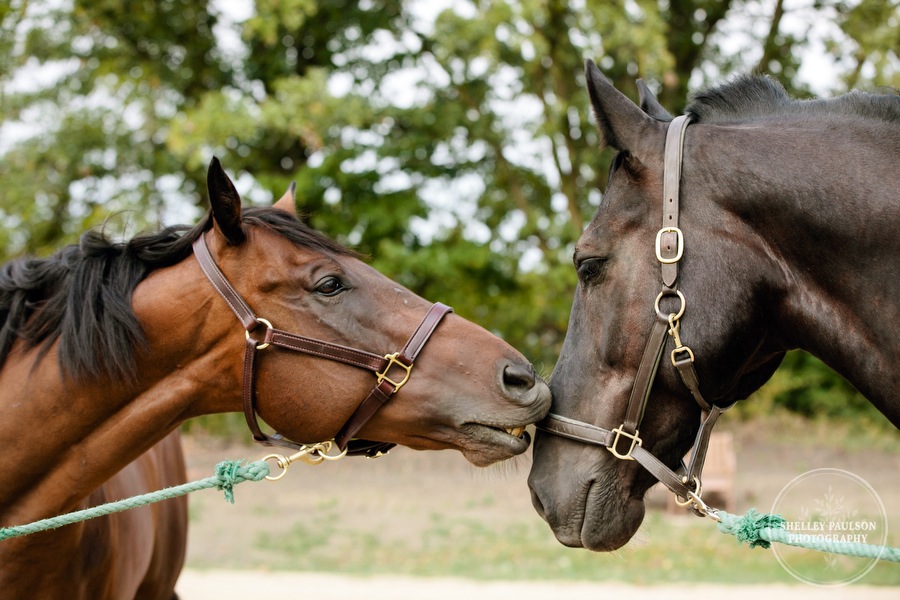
{"x":330,"y":286}
{"x":590,"y":269}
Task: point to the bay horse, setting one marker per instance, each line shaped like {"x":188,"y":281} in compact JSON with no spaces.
{"x":107,"y":348}
{"x":752,"y":225}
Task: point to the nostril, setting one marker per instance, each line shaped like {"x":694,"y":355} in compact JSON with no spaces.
{"x":518,"y":377}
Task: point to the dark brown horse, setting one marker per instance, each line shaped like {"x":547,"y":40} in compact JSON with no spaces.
{"x":783,"y":233}
{"x":108,"y":347}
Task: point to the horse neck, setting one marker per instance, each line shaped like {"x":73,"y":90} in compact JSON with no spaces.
{"x":64,"y":437}
{"x":824,"y":204}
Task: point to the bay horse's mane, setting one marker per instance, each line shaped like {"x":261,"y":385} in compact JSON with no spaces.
{"x":752,"y":97}
{"x":81,"y":295}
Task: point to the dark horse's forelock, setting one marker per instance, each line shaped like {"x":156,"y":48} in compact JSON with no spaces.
{"x":81,"y":295}
{"x":753,"y":96}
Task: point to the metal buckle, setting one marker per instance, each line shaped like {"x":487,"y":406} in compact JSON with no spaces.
{"x":267,"y":324}
{"x":679,"y":245}
{"x":392,"y":360}
{"x":690,"y":355}
{"x":635,"y":441}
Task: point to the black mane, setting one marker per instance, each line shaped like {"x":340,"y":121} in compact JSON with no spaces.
{"x":752,"y":97}
{"x":81,"y":295}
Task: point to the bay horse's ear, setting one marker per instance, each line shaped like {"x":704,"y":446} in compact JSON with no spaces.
{"x":288,"y":203}
{"x":649,"y":103}
{"x":225,"y":202}
{"x":623,"y":125}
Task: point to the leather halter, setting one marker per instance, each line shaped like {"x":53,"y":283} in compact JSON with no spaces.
{"x":392,"y":371}
{"x":624,"y":441}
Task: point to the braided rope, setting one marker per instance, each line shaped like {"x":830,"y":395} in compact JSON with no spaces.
{"x":228,"y":473}
{"x":761,"y":529}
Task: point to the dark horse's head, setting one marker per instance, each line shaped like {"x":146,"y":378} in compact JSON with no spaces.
{"x":743,"y":305}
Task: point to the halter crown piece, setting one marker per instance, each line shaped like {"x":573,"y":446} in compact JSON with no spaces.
{"x":392,"y":371}
{"x":624,"y":441}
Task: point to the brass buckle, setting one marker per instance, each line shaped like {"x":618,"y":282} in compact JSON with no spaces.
{"x":635,"y":441}
{"x":679,"y":245}
{"x":392,"y":360}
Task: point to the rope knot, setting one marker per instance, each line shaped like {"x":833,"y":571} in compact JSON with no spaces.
{"x":230,"y":473}
{"x":748,"y":528}
{"x":227,"y":474}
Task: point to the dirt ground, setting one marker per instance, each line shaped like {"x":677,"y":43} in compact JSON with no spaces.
{"x":395,"y":497}
{"x":239,"y":585}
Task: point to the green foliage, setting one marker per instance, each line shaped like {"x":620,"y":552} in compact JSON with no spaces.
{"x":805,"y":386}
{"x":456,"y":150}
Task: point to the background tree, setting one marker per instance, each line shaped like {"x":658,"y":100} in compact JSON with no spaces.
{"x":453,"y":146}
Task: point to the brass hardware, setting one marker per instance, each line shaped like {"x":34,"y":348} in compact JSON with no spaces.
{"x":696,"y":502}
{"x":690,"y":354}
{"x":378,"y":454}
{"x":312,"y":454}
{"x":692,"y":495}
{"x":679,"y":245}
{"x":267,"y":324}
{"x":674,"y":331}
{"x":392,"y":360}
{"x":680,"y":312}
{"x":635,"y":441}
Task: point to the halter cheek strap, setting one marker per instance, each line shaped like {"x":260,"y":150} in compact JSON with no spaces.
{"x":624,"y":441}
{"x":392,"y":371}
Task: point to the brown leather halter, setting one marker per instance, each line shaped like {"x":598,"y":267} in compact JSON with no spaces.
{"x":392,"y":371}
{"x":624,"y":441}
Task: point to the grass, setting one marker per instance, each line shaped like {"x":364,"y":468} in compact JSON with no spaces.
{"x":317,"y":533}
{"x":672,"y":550}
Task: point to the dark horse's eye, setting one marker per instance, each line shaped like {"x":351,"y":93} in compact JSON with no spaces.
{"x":590,"y":269}
{"x":330,"y":286}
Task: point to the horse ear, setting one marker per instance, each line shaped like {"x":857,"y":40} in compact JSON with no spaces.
{"x":623,"y":125}
{"x":288,"y":203}
{"x":225,"y":202}
{"x":649,"y":103}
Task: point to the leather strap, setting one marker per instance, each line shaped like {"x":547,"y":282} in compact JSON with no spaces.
{"x":388,"y":382}
{"x":382,"y":392}
{"x":671,"y":242}
{"x":598,"y":436}
{"x":646,"y":373}
{"x":217,"y":279}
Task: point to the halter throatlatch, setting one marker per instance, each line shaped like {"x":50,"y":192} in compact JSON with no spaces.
{"x":624,"y":441}
{"x":392,"y":371}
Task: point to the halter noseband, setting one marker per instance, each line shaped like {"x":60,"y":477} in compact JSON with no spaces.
{"x":392,"y":371}
{"x":624,"y":441}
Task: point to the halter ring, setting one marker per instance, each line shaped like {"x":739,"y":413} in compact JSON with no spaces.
{"x":267,"y":324}
{"x":669,"y":293}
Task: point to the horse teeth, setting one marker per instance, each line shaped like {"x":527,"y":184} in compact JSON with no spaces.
{"x":516,"y":431}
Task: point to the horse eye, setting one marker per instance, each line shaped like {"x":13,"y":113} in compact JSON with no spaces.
{"x":330,"y":286}
{"x":591,"y":268}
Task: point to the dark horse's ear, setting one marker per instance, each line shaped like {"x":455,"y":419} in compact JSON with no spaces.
{"x":623,"y":125}
{"x":649,"y":103}
{"x":225,"y":202}
{"x":288,"y":202}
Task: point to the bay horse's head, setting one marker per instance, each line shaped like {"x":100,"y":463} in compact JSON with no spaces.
{"x":620,"y":334}
{"x":325,"y":323}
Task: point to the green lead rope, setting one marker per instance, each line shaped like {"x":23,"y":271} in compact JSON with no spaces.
{"x":761,"y":529}
{"x":228,"y":474}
